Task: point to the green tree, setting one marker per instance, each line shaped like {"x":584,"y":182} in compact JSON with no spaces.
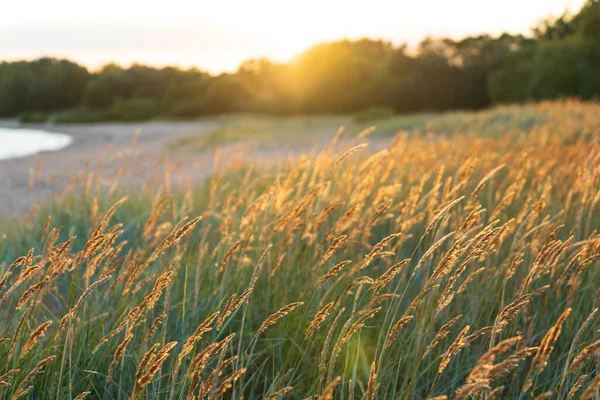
{"x":549,"y":70}
{"x":15,"y":81}
{"x":97,"y":95}
{"x":336,"y":77}
{"x":226,"y":93}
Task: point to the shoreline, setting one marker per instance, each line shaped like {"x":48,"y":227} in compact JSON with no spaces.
{"x":52,"y":170}
{"x":137,"y":154}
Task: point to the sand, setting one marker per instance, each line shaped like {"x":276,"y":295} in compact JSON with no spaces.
{"x":104,"y":147}
{"x":107,"y":150}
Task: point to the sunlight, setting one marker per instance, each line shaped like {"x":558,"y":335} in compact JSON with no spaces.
{"x":325,"y":199}
{"x":218,"y":36}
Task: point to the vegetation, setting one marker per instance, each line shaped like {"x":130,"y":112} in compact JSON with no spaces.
{"x":265,"y":132}
{"x":373,"y":114}
{"x":305,"y":131}
{"x":458,"y":266}
{"x":560,"y":60}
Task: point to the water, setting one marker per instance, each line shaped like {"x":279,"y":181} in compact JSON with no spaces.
{"x":15,"y":143}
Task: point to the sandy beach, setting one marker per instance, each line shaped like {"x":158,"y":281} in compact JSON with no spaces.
{"x":109,"y":149}
{"x":105,"y":147}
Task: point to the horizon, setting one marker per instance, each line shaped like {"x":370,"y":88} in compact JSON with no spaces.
{"x":218,"y":41}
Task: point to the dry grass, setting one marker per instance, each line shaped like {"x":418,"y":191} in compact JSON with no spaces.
{"x":463,"y":267}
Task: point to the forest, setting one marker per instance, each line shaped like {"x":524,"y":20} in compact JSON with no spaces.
{"x":561,"y":58}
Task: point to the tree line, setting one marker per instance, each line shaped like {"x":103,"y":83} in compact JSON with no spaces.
{"x":561,"y":58}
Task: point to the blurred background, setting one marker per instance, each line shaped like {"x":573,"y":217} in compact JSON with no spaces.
{"x":69,"y":61}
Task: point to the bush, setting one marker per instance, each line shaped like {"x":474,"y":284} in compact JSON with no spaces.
{"x":78,"y":115}
{"x":135,"y":109}
{"x":33,"y":116}
{"x":373,"y":114}
{"x":188,"y":109}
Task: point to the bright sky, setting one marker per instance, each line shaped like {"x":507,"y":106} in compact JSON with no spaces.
{"x":217,"y":35}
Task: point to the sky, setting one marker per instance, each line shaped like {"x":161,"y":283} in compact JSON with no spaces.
{"x":218,"y":35}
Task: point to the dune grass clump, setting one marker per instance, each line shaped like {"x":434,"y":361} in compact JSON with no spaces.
{"x":462,"y":267}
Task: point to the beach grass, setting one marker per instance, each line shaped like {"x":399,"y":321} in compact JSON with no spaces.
{"x":445,"y":265}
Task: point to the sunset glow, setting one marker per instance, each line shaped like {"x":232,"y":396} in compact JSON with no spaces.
{"x":217,"y":36}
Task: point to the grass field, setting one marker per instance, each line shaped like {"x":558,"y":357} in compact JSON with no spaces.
{"x":461,"y":262}
{"x":277,"y":132}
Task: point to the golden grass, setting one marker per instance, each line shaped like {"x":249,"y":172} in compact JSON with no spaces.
{"x":434,"y":267}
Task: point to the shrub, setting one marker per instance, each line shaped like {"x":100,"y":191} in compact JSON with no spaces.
{"x":134,"y":109}
{"x":33,"y":116}
{"x":373,"y":114}
{"x":188,"y":109}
